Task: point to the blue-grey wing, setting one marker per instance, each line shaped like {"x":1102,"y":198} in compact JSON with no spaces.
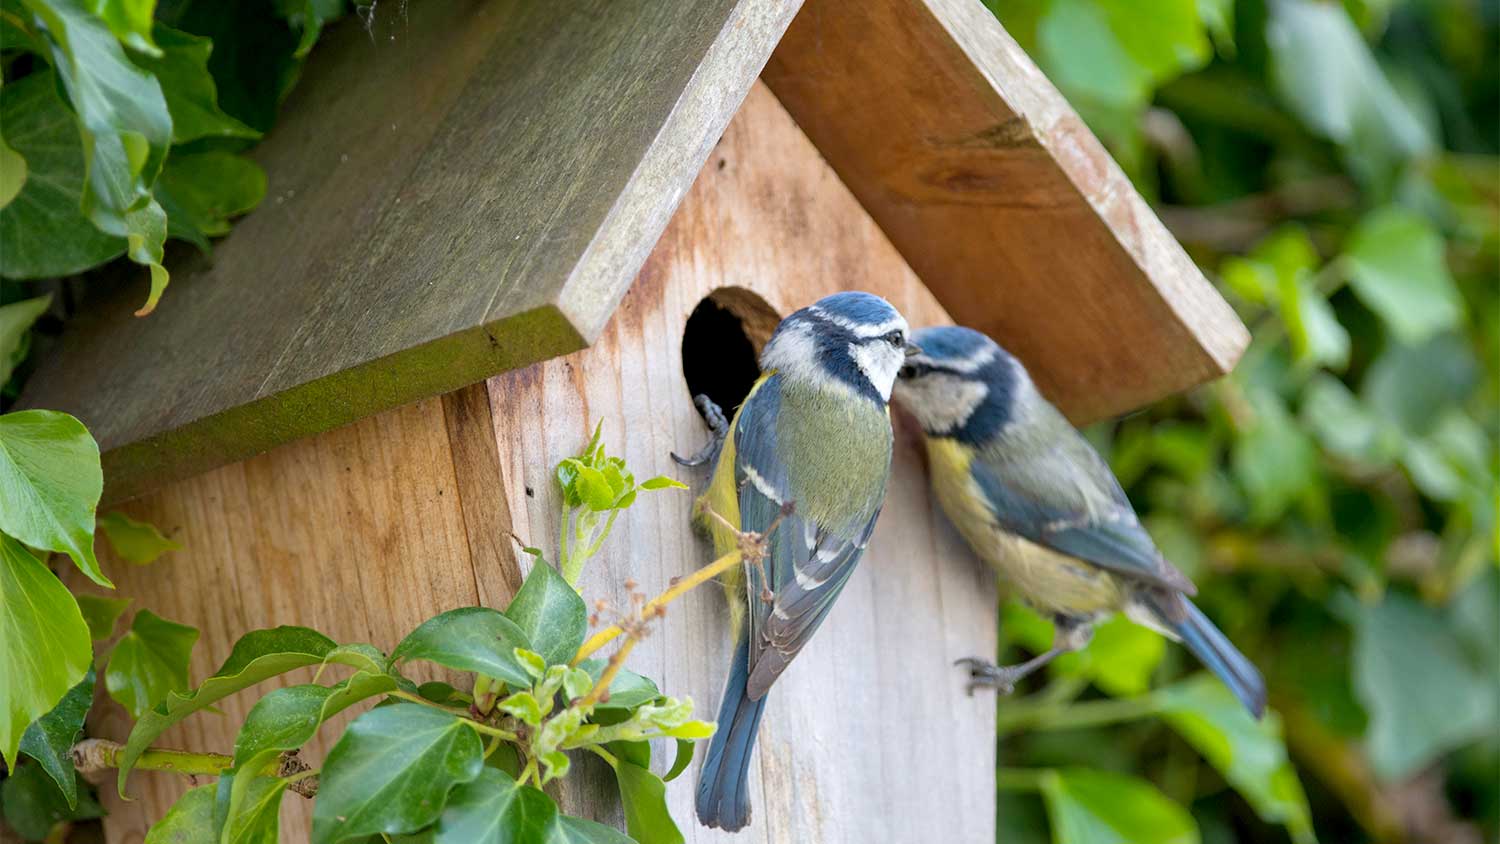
{"x":1067,"y":500}
{"x":807,"y":566}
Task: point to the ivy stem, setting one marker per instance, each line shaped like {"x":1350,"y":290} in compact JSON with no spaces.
{"x":425,"y":702}
{"x":491,"y":731}
{"x":675,"y":591}
{"x":98,"y":754}
{"x":608,"y":757}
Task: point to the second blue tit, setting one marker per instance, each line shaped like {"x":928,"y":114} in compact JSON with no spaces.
{"x":1037,"y":502}
{"x":805,"y":463}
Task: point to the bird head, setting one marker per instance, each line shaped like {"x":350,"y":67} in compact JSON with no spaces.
{"x":852,"y":342}
{"x":962,"y":384}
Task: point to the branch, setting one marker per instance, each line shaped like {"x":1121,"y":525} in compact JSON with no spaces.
{"x":93,"y":755}
{"x":656,"y":605}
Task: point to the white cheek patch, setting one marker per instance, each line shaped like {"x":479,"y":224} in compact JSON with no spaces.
{"x":942,"y":402}
{"x":879,"y":361}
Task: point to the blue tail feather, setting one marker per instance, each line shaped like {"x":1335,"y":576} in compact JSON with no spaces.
{"x":1219,"y":655}
{"x":724,"y":782}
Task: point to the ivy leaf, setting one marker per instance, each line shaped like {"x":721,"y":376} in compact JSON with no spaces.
{"x":1250,"y":754}
{"x":258,"y":816}
{"x":50,"y":739}
{"x":1413,"y":722}
{"x":181,"y":67}
{"x":644,"y":796}
{"x":1121,"y":657}
{"x":1345,"y":426}
{"x":130,"y":21}
{"x":202,"y":191}
{"x":50,"y":483}
{"x":1397,"y":268}
{"x":391,"y":772}
{"x":258,"y":655}
{"x":136,"y":542}
{"x":43,"y":231}
{"x":33,"y":805}
{"x":663,"y":482}
{"x":148,"y":662}
{"x":126,"y":129}
{"x":627,"y":691}
{"x":189,"y":821}
{"x":101,"y":613}
{"x":593,"y":489}
{"x":309,"y":16}
{"x":476,"y":639}
{"x":681,"y":761}
{"x":1102,"y":807}
{"x":550,"y":614}
{"x":286,"y":719}
{"x":567,"y":829}
{"x":12,"y":172}
{"x":15,"y":320}
{"x":494,"y":809}
{"x":44,"y":647}
{"x":1275,"y":460}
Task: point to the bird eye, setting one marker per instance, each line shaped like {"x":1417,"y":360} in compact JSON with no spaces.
{"x":907,"y":371}
{"x":896,"y":338}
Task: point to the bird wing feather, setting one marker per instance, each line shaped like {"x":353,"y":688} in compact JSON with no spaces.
{"x":807,"y":564}
{"x":1064,"y":497}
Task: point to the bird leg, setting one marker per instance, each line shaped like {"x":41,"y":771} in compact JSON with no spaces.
{"x":718,"y":427}
{"x":1071,"y":635}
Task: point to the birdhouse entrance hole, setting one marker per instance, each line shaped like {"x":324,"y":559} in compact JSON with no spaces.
{"x":721,"y":345}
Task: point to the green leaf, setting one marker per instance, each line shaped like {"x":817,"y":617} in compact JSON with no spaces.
{"x":1323,"y":70}
{"x":476,"y":639}
{"x":191,"y":96}
{"x":1101,"y":807}
{"x":257,"y":656}
{"x":391,"y":772}
{"x":136,"y":542}
{"x":494,"y":809}
{"x":256,"y":819}
{"x":681,"y":761}
{"x":286,"y":719}
{"x":44,"y":647}
{"x":50,"y":483}
{"x":1122,"y":656}
{"x":130,"y":21}
{"x":1275,"y":460}
{"x":627,"y":691}
{"x":15,"y":321}
{"x":50,"y":739}
{"x":550,"y":614}
{"x":126,"y":129}
{"x":309,"y":17}
{"x":12,"y":172}
{"x":567,"y":829}
{"x":1423,"y":693}
{"x":202,"y":191}
{"x":1397,"y":268}
{"x":644,"y":796}
{"x":1250,"y":754}
{"x":1346,"y":427}
{"x":189,"y":821}
{"x":359,"y":656}
{"x":663,"y":482}
{"x":148,"y":662}
{"x":33,"y":806}
{"x":101,"y":613}
{"x":1317,"y":335}
{"x":522,"y":705}
{"x":43,"y":231}
{"x":1409,"y":385}
{"x":593,"y":489}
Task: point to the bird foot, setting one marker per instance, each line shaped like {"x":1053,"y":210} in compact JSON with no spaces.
{"x":987,"y":675}
{"x":718,"y":427}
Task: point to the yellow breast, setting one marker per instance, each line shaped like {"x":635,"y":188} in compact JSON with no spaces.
{"x":1047,"y":580}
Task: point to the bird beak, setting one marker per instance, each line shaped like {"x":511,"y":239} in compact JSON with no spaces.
{"x":912,"y":350}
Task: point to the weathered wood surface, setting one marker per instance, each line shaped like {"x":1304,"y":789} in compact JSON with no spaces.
{"x":468,"y":187}
{"x":365,"y":530}
{"x":1001,"y":199}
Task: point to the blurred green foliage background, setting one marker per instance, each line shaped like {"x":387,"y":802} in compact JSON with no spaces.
{"x":1332,"y":167}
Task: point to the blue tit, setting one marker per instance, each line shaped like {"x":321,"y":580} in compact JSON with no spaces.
{"x":803,"y":464}
{"x":1037,"y":502}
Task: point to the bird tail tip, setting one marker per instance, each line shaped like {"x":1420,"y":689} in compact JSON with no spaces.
{"x":1220,"y":656}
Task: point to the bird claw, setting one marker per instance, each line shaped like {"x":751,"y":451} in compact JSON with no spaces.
{"x":988,"y":675}
{"x":718,"y":426}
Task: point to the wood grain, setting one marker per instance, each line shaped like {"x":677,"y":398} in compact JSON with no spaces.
{"x":359,"y":533}
{"x":464,"y":188}
{"x":1001,"y":199}
{"x":838,"y":761}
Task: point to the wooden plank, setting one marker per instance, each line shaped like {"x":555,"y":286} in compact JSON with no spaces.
{"x":464,"y":188}
{"x":1002,"y":200}
{"x":362,"y":533}
{"x":767,"y":215}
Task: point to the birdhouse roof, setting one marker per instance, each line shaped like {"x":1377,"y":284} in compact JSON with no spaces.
{"x":466,"y":188}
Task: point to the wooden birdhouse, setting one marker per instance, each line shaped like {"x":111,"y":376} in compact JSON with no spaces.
{"x":491,"y":225}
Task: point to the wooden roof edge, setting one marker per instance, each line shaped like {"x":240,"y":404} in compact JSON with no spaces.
{"x":1202,"y":311}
